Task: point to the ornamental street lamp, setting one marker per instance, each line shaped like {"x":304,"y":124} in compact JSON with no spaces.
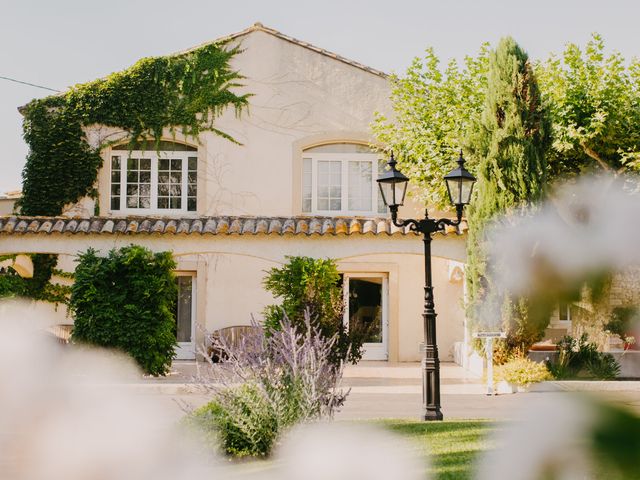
{"x":393,"y":186}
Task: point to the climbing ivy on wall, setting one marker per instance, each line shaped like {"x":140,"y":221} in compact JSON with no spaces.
{"x":182,"y":93}
{"x":39,"y":286}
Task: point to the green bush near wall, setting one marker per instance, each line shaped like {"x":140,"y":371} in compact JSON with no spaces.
{"x":125,"y":301}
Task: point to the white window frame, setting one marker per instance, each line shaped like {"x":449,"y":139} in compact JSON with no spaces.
{"x":562,"y":323}
{"x":344,"y":158}
{"x":154,"y":157}
{"x":187,"y":350}
{"x":378,"y":350}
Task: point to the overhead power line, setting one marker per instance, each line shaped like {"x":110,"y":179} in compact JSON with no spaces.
{"x":27,"y":83}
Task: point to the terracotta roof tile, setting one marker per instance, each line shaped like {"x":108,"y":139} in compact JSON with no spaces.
{"x":326,"y":226}
{"x":209,"y":226}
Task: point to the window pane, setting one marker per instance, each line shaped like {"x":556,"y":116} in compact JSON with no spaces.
{"x":145,"y":164}
{"x":329,"y":185}
{"x":132,"y":202}
{"x":163,"y":202}
{"x":365,"y":308}
{"x":145,"y":202}
{"x":193,"y":177}
{"x":163,"y":190}
{"x":360,"y":186}
{"x":193,"y":164}
{"x":176,"y":164}
{"x":191,"y":204}
{"x":175,"y":203}
{"x":132,"y":176}
{"x":132,"y":164}
{"x":306,"y":184}
{"x":191,"y":190}
{"x":163,"y":164}
{"x":163,"y":178}
{"x":132,"y":189}
{"x":145,"y":190}
{"x":183,"y":309}
{"x":145,"y":177}
{"x":115,"y":182}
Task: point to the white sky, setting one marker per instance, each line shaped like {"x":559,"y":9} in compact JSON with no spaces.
{"x":57,"y":43}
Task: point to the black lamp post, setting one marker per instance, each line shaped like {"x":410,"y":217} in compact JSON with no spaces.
{"x":393,"y":186}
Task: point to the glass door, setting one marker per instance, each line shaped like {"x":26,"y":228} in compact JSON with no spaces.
{"x":185,"y":313}
{"x":366,"y":311}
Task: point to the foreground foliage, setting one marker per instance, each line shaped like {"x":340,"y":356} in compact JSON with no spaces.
{"x":125,"y":301}
{"x":270,"y":383}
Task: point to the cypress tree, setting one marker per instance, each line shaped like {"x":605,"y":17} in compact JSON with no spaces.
{"x":509,"y":144}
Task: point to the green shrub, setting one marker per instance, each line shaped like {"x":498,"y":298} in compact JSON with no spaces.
{"x":125,"y":301}
{"x":312,"y":285}
{"x":288,"y":378}
{"x":241,"y":419}
{"x":522,"y":372}
{"x":578,"y":358}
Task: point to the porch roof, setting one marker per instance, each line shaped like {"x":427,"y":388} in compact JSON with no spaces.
{"x":219,"y":225}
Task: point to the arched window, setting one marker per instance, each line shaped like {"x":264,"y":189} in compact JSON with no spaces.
{"x":154,"y":180}
{"x":339,"y":179}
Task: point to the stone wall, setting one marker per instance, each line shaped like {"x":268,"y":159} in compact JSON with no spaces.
{"x":625,"y":288}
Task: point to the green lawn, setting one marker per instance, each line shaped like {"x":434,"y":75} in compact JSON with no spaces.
{"x":452,"y":446}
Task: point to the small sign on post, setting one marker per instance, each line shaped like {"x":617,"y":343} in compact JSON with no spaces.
{"x":488,"y":348}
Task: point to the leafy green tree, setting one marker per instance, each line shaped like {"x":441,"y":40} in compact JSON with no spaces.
{"x":434,"y":112}
{"x":125,"y":301}
{"x":313,"y":285}
{"x":509,"y":142}
{"x":594,"y":103}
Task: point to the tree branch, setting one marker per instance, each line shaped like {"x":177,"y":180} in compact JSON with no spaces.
{"x":593,"y":154}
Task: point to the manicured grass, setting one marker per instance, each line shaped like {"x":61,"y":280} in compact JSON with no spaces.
{"x":450,"y":447}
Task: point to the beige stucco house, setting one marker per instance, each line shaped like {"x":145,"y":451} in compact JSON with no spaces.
{"x":301,"y":183}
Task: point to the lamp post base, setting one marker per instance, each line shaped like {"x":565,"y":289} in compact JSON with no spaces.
{"x":431,"y":415}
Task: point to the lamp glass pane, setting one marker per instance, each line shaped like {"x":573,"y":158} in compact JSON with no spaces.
{"x":385,"y":191}
{"x":465,"y":191}
{"x":452,"y":189}
{"x":400,"y":189}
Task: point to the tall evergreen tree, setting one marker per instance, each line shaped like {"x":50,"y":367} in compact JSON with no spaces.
{"x":509,"y":145}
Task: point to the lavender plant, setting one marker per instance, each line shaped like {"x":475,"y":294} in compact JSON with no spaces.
{"x":268,"y":383}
